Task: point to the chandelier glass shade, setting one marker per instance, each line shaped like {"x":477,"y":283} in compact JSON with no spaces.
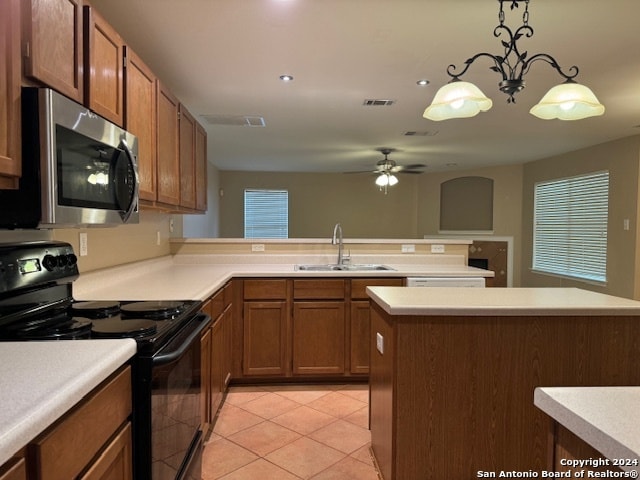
{"x":385,"y":180}
{"x":567,"y":101}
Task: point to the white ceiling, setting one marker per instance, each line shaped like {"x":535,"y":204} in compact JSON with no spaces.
{"x":224,"y":57}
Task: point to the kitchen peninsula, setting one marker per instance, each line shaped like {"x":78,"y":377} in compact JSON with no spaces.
{"x":453,"y":373}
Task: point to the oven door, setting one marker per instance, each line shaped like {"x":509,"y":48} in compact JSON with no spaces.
{"x":175,"y":413}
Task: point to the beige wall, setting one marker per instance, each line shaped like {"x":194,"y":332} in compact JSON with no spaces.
{"x":507,"y":204}
{"x":621,"y":158}
{"x":317,"y":201}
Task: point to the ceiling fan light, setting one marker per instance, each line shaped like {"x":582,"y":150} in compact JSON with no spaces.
{"x":457,"y":99}
{"x":568,"y":101}
{"x":383,"y":180}
{"x":392,"y":180}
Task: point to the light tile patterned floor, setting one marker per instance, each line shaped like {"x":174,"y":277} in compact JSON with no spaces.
{"x":291,"y":432}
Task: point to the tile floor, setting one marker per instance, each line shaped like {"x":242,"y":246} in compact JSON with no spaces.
{"x":291,"y":432}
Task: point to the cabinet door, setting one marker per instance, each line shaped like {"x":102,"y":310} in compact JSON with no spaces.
{"x":360,"y":330}
{"x":52,"y":36}
{"x":168,"y":159}
{"x":264,"y":338}
{"x":104,"y":60}
{"x":187,"y":158}
{"x":115,"y":461}
{"x":140,"y":119}
{"x":201,"y":168}
{"x":14,"y":469}
{"x":10,"y":147}
{"x":318,"y":338}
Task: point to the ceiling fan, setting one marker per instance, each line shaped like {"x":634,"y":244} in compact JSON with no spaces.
{"x":386,"y":169}
{"x":388,"y":166}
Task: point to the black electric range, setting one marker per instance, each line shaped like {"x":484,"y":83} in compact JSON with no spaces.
{"x":36,"y":303}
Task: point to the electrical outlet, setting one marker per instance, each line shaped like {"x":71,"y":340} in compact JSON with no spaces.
{"x":84,"y":245}
{"x":437,"y":248}
{"x":380,"y":343}
{"x":257,"y":247}
{"x":410,"y":248}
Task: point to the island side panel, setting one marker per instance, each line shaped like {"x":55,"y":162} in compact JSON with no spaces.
{"x":381,"y":391}
{"x":463,"y":387}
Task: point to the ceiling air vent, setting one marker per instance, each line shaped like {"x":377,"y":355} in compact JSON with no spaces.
{"x":378,"y":102}
{"x":235,"y":120}
{"x":428,"y":133}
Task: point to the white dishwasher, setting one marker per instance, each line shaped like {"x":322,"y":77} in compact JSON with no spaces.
{"x":446,"y":282}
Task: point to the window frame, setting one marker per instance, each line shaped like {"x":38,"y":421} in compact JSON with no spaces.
{"x":274,"y":207}
{"x":566,"y":254}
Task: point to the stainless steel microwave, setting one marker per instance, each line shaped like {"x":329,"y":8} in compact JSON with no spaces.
{"x":78,"y":169}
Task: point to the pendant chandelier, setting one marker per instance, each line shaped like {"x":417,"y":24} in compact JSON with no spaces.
{"x":460,"y":99}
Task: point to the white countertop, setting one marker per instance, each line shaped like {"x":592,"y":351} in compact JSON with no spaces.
{"x":604,"y":417}
{"x":197,"y":277}
{"x":499,"y":301}
{"x":40,"y":381}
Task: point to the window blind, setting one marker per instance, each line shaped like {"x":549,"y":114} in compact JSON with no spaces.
{"x":266,"y":213}
{"x":570,"y":227}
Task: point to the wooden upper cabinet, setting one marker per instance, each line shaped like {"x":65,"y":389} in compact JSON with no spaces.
{"x":168,"y":159}
{"x":201,"y":168}
{"x":140,"y":119}
{"x":187,"y":159}
{"x":10,"y":146}
{"x":53,"y":47}
{"x":104,"y":64}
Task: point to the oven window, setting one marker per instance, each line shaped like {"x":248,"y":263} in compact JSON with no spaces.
{"x":88,"y":171}
{"x":175,"y":412}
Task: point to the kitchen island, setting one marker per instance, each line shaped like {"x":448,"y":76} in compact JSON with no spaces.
{"x":453,"y":373}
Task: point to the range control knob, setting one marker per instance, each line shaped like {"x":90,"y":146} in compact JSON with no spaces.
{"x":49,"y":262}
{"x":72,"y":259}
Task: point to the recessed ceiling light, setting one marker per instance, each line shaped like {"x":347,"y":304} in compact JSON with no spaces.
{"x":286,"y":78}
{"x":423,"y":82}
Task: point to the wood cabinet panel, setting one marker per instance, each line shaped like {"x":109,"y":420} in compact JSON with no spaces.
{"x":115,"y":462}
{"x":217,"y":361}
{"x":14,"y":469}
{"x":53,"y":46}
{"x":264,"y":338}
{"x":141,"y":119}
{"x":318,"y":289}
{"x":10,"y":111}
{"x":65,"y":450}
{"x":360,"y":331}
{"x":187,"y":158}
{"x":168,"y":155}
{"x":201,"y":168}
{"x":461,"y":387}
{"x":265,"y":289}
{"x":567,"y":446}
{"x":104,"y":65}
{"x":318,"y":338}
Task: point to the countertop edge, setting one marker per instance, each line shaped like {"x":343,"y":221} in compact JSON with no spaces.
{"x":585,"y":429}
{"x":15,"y":433}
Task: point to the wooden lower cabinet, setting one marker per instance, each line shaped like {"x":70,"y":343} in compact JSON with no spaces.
{"x":115,"y":463}
{"x":304,"y":328}
{"x":14,"y":469}
{"x":93,"y":440}
{"x":567,"y":446}
{"x":264,"y":338}
{"x":318,"y":338}
{"x":205,"y":378}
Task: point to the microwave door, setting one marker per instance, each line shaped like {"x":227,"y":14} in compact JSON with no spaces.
{"x":127,"y":183}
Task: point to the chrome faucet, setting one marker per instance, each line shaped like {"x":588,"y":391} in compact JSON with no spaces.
{"x":337,"y":240}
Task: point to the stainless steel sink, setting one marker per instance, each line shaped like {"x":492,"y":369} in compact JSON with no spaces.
{"x":347,"y":267}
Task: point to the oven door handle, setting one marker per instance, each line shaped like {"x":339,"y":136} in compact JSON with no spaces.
{"x":163,"y":357}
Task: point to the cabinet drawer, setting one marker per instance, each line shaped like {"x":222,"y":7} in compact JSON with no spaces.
{"x":14,"y":469}
{"x":359,"y":285}
{"x":217,"y":305}
{"x":68,"y":447}
{"x":268,"y":289}
{"x":318,"y":289}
